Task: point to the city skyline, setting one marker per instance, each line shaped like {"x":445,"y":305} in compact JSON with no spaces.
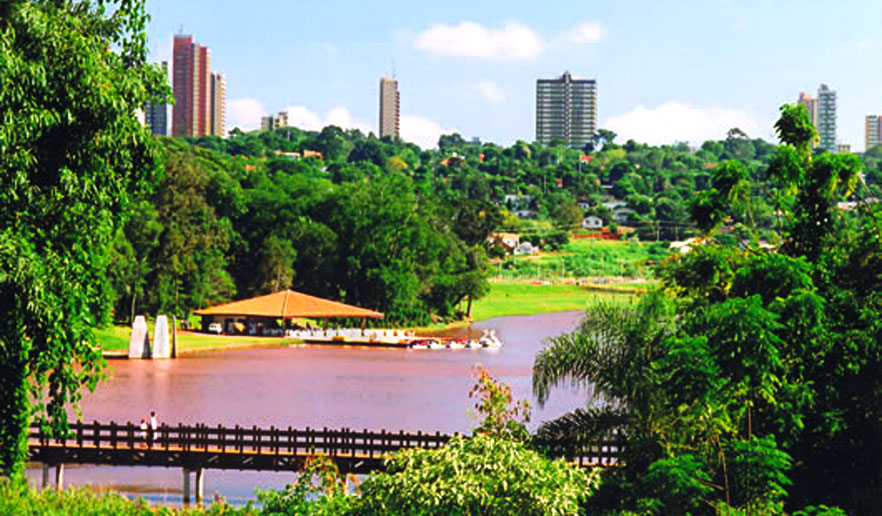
{"x":687,"y":71}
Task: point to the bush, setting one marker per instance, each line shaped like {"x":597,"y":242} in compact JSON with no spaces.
{"x":476,"y":476}
{"x":19,"y":499}
{"x":319,"y":490}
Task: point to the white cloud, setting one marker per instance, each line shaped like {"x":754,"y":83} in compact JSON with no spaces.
{"x":674,"y":121}
{"x":422,"y":131}
{"x":469,"y":39}
{"x":341,"y":117}
{"x":304,"y":118}
{"x":586,"y":32}
{"x":491,"y":92}
{"x":244,"y":113}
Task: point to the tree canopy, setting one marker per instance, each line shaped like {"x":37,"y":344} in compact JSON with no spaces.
{"x":72,"y":155}
{"x":749,"y":380}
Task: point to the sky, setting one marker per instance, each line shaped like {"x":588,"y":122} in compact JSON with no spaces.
{"x":666,"y":72}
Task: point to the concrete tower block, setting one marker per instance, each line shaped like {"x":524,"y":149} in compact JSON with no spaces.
{"x":160,"y":338}
{"x":139,"y":342}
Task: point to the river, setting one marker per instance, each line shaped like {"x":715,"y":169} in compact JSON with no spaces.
{"x":372,"y":388}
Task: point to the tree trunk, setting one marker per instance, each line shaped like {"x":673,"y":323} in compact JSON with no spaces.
{"x":15,"y":410}
{"x":469,"y":307}
{"x":132,"y":315}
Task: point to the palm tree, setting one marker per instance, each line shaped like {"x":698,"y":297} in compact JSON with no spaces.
{"x":611,"y":354}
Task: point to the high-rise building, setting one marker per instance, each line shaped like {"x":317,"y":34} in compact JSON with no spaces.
{"x":272,"y":122}
{"x":200,"y":97}
{"x":872,"y":131}
{"x":811,"y":105}
{"x":566,"y":109}
{"x":389,"y":107}
{"x":156,"y":113}
{"x":827,"y":118}
{"x":218,"y":105}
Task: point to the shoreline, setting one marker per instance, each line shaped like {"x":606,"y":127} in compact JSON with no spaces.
{"x":504,"y":300}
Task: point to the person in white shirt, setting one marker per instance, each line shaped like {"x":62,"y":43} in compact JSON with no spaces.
{"x":154,"y":424}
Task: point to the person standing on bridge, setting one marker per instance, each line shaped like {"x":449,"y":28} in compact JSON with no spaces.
{"x":142,"y":431}
{"x":154,"y":424}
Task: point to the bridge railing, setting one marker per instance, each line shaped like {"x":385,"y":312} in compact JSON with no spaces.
{"x":238,"y":439}
{"x":344,"y":442}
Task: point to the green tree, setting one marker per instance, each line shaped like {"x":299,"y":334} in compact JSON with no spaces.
{"x":568,"y":215}
{"x":73,"y":153}
{"x":189,"y":265}
{"x":276,"y":264}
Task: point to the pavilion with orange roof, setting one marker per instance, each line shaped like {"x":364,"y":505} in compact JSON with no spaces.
{"x":263,"y":312}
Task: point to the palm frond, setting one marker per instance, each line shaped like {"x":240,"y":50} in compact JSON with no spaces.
{"x":575,"y":432}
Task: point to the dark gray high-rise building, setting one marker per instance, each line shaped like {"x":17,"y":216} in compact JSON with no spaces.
{"x":566,"y":109}
{"x":156,"y":114}
{"x":827,"y":118}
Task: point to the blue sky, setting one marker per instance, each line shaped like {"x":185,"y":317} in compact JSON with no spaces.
{"x":666,"y":71}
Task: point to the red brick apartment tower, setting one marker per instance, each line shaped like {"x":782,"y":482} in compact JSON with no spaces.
{"x":191,"y":84}
{"x":203,"y":92}
{"x":182,"y":85}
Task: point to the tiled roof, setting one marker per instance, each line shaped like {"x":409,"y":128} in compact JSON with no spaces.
{"x":289,"y":304}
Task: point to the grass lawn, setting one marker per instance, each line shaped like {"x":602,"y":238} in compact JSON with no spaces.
{"x":587,"y":258}
{"x":506,"y":299}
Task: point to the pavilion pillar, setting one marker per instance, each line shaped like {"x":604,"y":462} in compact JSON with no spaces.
{"x":200,"y":482}
{"x":59,"y":476}
{"x":174,"y":349}
{"x":186,"y":486}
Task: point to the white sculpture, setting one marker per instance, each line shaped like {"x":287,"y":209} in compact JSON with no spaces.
{"x":139,"y":343}
{"x":160,"y":338}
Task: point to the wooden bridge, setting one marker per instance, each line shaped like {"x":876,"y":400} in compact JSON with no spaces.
{"x":198,"y":447}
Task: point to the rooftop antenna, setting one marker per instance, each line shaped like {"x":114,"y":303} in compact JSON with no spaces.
{"x":181,"y":30}
{"x":393,"y":68}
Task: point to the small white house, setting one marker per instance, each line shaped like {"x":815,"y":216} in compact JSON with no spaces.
{"x":525,"y":248}
{"x":621,"y":215}
{"x":584,"y":205}
{"x":592,"y":222}
{"x":509,"y":240}
{"x":684,"y":246}
{"x":612,"y":205}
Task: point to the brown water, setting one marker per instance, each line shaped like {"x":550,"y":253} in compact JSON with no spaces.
{"x":372,"y":388}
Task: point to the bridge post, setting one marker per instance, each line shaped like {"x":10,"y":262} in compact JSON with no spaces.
{"x":59,"y":476}
{"x":45,"y":475}
{"x":186,"y":486}
{"x":200,"y":482}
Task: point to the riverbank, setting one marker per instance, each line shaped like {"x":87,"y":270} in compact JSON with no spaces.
{"x":504,"y":299}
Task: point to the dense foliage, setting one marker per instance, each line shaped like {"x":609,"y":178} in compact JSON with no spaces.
{"x":20,"y":500}
{"x":72,"y":155}
{"x":750,"y":382}
{"x":384,"y":224}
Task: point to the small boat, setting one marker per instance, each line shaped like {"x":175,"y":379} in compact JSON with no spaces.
{"x":490,"y":341}
{"x":456,"y":344}
{"x":474,"y":344}
{"x":434,"y":344}
{"x":419,"y":344}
